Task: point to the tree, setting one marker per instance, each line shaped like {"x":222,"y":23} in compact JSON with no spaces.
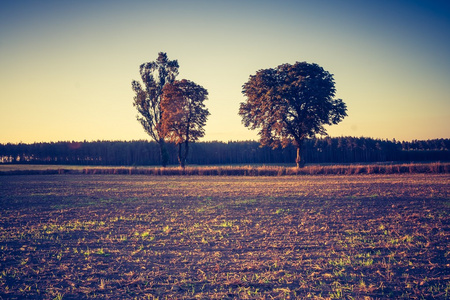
{"x":184,"y":114}
{"x":155,"y":75}
{"x":290,"y":103}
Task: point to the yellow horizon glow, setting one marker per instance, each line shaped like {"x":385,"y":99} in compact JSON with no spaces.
{"x":66,"y":68}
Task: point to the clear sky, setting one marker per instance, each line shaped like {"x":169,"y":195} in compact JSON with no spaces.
{"x":66,"y":66}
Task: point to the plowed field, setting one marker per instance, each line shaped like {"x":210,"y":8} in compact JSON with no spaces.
{"x":144,"y":237}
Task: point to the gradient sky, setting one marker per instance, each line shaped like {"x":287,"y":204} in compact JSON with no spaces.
{"x":66,"y":66}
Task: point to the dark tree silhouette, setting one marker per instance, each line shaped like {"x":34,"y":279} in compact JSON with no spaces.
{"x":184,"y":114}
{"x":290,"y":103}
{"x":155,"y":75}
{"x":139,"y":153}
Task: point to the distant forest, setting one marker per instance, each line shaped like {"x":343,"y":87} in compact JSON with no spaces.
{"x":145,"y":153}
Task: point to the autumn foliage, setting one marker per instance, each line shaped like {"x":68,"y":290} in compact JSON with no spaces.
{"x":183,"y":115}
{"x":169,"y":110}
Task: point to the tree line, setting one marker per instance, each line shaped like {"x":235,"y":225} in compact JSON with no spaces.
{"x":326,"y":150}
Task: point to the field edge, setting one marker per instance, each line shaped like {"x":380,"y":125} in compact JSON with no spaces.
{"x":411,"y":168}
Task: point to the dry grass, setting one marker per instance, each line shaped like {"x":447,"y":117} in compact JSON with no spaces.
{"x":412,"y":168}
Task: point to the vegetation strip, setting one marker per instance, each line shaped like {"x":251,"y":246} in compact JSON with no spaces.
{"x":431,"y":168}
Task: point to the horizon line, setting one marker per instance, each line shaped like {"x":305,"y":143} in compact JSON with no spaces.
{"x":215,"y":141}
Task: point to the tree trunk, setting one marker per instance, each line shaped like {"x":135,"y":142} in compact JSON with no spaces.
{"x":182,"y":155}
{"x":186,"y":151}
{"x":181,"y":158}
{"x":163,"y":152}
{"x":299,"y":160}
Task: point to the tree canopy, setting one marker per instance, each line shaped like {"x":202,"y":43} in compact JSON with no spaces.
{"x":290,"y":103}
{"x":184,"y":114}
{"x":155,"y":75}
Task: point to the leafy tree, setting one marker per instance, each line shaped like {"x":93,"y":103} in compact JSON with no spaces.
{"x":184,"y":114}
{"x":155,"y":75}
{"x":290,"y":103}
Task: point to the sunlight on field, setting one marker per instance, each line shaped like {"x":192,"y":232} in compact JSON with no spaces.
{"x":214,"y":237}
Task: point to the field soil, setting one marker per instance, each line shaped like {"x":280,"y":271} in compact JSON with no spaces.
{"x":216,"y":237}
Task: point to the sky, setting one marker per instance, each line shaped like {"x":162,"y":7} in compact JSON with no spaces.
{"x":66,"y":66}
